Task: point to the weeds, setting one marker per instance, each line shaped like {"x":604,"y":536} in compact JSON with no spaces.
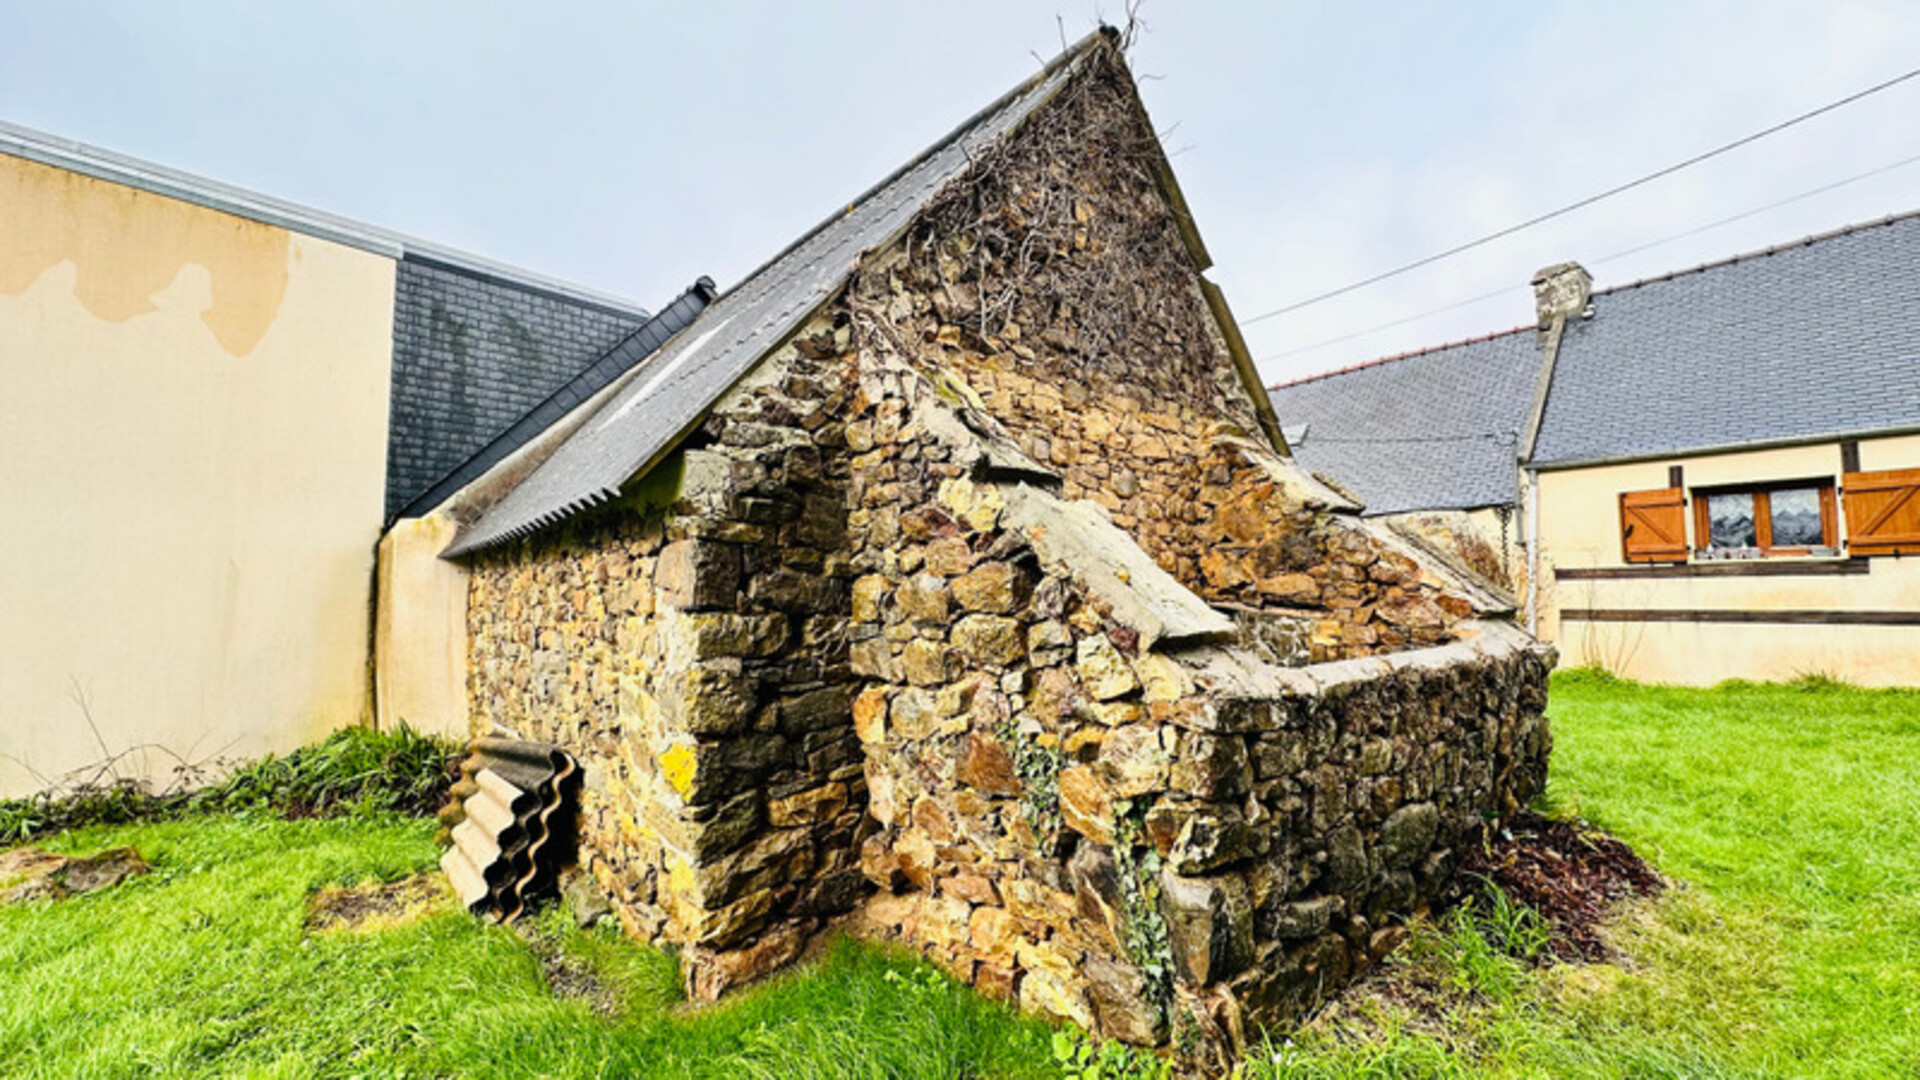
{"x":1081,"y":1059}
{"x":355,"y":770}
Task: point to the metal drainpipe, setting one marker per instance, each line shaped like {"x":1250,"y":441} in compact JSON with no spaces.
{"x":1532,"y":508}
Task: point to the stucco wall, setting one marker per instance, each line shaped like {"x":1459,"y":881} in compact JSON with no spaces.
{"x":420,"y":630}
{"x":1579,"y":528}
{"x":193,"y":431}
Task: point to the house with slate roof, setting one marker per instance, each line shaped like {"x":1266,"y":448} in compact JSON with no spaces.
{"x":1427,"y":441}
{"x":215,"y":401}
{"x":947,"y":580}
{"x":1719,"y":469}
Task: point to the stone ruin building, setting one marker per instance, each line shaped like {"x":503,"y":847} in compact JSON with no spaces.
{"x":948,"y":582}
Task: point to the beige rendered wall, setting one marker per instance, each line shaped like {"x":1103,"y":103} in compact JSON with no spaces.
{"x":192,"y":454}
{"x":1579,"y":527}
{"x":420,"y":630}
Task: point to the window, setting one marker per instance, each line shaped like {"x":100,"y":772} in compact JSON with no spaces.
{"x":1795,"y":517}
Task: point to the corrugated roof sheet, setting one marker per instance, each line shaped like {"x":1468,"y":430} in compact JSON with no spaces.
{"x":1812,"y":339}
{"x":665,"y":396}
{"x":510,"y":825}
{"x":1433,"y":430}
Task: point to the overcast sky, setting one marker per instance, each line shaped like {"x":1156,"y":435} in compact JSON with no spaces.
{"x":631,"y":147}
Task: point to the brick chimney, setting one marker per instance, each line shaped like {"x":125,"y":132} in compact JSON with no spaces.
{"x":1560,"y":292}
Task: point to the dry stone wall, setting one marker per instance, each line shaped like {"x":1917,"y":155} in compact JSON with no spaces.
{"x":1091,"y":800}
{"x":689,"y":646}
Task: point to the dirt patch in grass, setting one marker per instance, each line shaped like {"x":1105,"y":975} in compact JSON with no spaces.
{"x":375,"y":905}
{"x":1570,"y":874}
{"x":33,"y":874}
{"x":568,"y":976}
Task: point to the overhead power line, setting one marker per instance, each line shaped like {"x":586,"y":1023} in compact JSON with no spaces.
{"x":1586,"y":202}
{"x":1602,"y":261}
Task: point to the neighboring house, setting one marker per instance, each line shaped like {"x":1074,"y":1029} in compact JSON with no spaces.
{"x":1721,"y":473}
{"x":1427,"y":441}
{"x":213,"y":403}
{"x":947,"y":580}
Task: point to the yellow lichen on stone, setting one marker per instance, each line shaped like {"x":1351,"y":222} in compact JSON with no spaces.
{"x":680,"y":765}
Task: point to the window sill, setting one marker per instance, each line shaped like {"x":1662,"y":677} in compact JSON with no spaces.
{"x":1725,"y":555}
{"x":1772,"y":566}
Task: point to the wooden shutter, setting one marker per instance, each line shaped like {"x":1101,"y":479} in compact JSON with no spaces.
{"x":1883,"y":511}
{"x":1653,"y":525}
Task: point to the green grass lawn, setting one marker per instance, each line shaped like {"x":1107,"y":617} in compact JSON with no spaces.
{"x":1790,"y":814}
{"x":205,"y":968}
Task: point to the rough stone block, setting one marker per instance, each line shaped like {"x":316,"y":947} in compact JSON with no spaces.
{"x":810,"y":807}
{"x":987,"y":766}
{"x":1086,"y":803}
{"x":1209,"y":926}
{"x":827,"y":707}
{"x":989,"y":639}
{"x":994,"y":587}
{"x":708,"y":700}
{"x":697,"y":575}
{"x":1103,"y":671}
{"x":1407,"y":835}
{"x":1135,"y":760}
{"x":1121,"y":1002}
{"x":1212,"y":767}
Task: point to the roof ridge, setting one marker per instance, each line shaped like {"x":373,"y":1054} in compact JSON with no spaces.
{"x":1761,"y":253}
{"x":1412,"y":354}
{"x":743,"y":325}
{"x":1102,"y":32}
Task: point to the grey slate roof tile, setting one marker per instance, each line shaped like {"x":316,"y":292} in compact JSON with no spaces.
{"x":1434,"y":430}
{"x":472,"y":353}
{"x":666,"y":394}
{"x":1805,"y":340}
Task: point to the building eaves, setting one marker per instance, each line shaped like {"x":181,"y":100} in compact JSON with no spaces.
{"x":127,"y":171}
{"x":660,"y":402}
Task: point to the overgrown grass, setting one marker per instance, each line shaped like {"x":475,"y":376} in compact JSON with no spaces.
{"x":1791,"y":816}
{"x":205,"y":968}
{"x":354,"y":770}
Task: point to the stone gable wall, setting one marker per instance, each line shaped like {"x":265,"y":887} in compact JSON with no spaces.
{"x":1055,"y":285}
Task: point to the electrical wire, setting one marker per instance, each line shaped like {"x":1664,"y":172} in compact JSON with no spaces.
{"x":1602,"y":261}
{"x":1586,"y":202}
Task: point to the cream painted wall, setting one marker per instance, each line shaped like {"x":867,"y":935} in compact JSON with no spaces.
{"x":1579,"y":527}
{"x":192,"y":459}
{"x":420,"y":630}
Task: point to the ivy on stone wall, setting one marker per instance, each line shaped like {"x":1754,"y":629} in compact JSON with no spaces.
{"x":1147,"y":943}
{"x":1038,"y":765}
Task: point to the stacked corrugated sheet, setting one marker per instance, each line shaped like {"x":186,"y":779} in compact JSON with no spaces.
{"x":511,"y":825}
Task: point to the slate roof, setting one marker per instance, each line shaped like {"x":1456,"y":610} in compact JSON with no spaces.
{"x":472,"y":353}
{"x":667,"y":395}
{"x":1432,"y":430}
{"x":631,"y":350}
{"x":1819,"y":338}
